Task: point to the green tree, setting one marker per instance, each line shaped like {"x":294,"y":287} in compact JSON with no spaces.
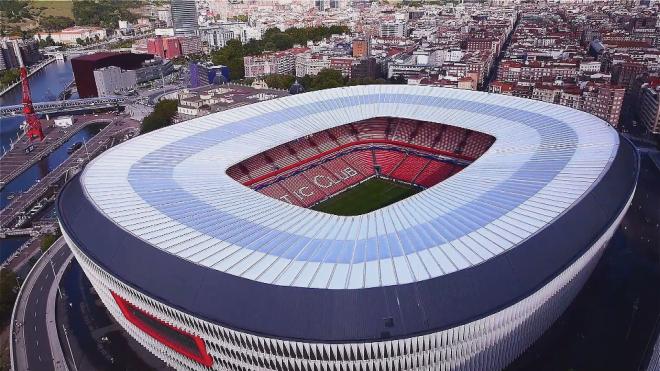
{"x":277,"y":81}
{"x":8,"y":293}
{"x":231,"y":55}
{"x":55,"y":23}
{"x":326,"y":79}
{"x":103,"y":13}
{"x":161,"y":117}
{"x":48,"y":241}
{"x":15,"y":10}
{"x":240,"y":18}
{"x":9,"y":76}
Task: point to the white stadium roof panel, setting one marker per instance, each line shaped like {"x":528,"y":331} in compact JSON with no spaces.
{"x":170,"y":188}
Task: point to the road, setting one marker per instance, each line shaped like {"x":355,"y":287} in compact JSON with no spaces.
{"x":35,"y":344}
{"x":112,"y":134}
{"x":19,"y":158}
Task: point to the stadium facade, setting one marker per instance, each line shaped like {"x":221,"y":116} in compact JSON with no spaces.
{"x":188,"y":239}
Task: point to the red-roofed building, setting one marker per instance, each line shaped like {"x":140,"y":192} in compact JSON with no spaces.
{"x":501,"y":87}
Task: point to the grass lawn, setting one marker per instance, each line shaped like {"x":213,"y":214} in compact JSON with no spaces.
{"x":55,"y":7}
{"x":368,"y":196}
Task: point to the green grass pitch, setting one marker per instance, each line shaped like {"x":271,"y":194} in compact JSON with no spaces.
{"x":368,"y":196}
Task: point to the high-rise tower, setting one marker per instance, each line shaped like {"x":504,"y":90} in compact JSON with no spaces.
{"x":184,"y":17}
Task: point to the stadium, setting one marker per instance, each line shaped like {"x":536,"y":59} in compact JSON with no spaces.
{"x":361,"y":228}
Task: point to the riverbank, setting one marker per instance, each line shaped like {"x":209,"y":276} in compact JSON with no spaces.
{"x":32,"y":70}
{"x":118,"y":130}
{"x":24,"y":154}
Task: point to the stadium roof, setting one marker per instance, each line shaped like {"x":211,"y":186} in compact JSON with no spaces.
{"x":160,"y":212}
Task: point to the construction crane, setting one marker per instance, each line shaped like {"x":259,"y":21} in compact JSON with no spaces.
{"x":33,"y":125}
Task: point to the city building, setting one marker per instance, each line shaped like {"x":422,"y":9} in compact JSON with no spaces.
{"x":29,"y":50}
{"x":113,"y":80}
{"x":202,"y":74}
{"x":190,"y":45}
{"x":165,"y":16}
{"x":604,"y":101}
{"x":73,"y":34}
{"x":242,"y":274}
{"x":361,"y":47}
{"x":308,"y":64}
{"x":143,"y":68}
{"x":322,"y":5}
{"x":625,"y":73}
{"x":649,"y":111}
{"x":216,"y":37}
{"x":214,"y":98}
{"x":365,"y":68}
{"x":393,"y":29}
{"x":164,"y":47}
{"x":184,"y":17}
{"x":343,"y":65}
{"x":282,"y":62}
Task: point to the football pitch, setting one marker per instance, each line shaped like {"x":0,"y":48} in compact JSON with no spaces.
{"x":368,"y":196}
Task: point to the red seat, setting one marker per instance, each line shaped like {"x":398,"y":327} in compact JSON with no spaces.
{"x":388,"y":160}
{"x":409,"y":168}
{"x":434,"y":173}
{"x":352,"y":164}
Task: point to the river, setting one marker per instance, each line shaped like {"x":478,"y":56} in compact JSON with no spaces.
{"x":40,"y":169}
{"x":45,"y":85}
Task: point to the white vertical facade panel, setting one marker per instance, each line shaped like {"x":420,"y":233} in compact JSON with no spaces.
{"x":488,"y":343}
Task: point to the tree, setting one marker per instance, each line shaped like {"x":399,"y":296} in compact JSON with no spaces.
{"x":104,"y":13}
{"x":9,"y":76}
{"x":15,"y":10}
{"x":277,"y":81}
{"x":8,"y":293}
{"x":161,"y":117}
{"x":231,"y":55}
{"x":48,"y":241}
{"x":327,"y":78}
{"x":55,"y":23}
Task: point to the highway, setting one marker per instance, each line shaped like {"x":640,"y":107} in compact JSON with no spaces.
{"x":35,"y":344}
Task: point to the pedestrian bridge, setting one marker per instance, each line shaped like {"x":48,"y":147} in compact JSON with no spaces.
{"x":65,"y":105}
